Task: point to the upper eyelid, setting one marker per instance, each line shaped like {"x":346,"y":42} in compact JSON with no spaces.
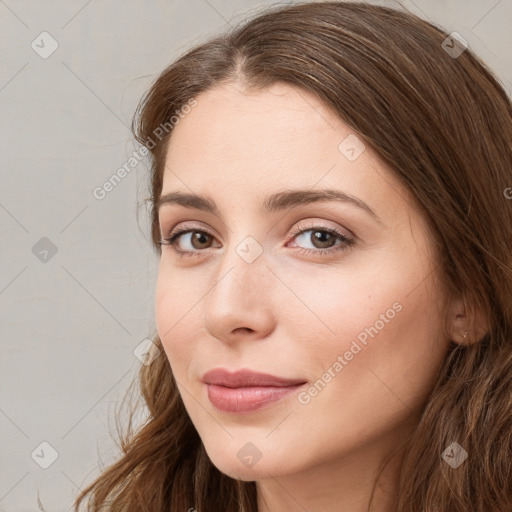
{"x":319,"y":224}
{"x":320,"y":210}
{"x":298,"y":230}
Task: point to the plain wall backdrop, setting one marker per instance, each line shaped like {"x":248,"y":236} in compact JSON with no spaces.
{"x":77,"y":271}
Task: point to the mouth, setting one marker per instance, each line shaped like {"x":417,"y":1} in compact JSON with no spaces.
{"x":247,"y":399}
{"x":246,"y":391}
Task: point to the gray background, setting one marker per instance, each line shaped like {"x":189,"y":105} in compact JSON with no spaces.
{"x":72,"y":320}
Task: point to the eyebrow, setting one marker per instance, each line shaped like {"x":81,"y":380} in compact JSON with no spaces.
{"x":272,"y":203}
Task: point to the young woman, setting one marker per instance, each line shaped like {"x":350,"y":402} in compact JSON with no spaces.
{"x":332,"y":212}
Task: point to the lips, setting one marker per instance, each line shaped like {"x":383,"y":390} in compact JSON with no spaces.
{"x":246,"y":391}
{"x":246,"y":378}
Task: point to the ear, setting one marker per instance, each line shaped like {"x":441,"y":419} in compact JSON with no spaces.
{"x":465,"y":327}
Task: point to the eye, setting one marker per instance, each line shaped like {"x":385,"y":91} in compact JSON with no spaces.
{"x":323,"y":240}
{"x":196,"y":238}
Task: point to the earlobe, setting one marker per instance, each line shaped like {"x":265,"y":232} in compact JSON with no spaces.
{"x":459,"y":332}
{"x":461,"y":329}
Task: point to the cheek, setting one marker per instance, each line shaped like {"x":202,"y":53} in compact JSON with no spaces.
{"x":386,"y":347}
{"x":335,"y":306}
{"x":383,"y":313}
{"x":176,"y":312}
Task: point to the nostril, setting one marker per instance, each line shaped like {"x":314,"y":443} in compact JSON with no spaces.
{"x":246,"y":329}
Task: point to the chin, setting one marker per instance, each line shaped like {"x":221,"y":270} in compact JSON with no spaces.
{"x":235,"y":468}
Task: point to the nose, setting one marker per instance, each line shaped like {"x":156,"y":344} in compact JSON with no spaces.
{"x":239,"y":303}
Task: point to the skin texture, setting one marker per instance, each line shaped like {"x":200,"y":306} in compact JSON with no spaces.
{"x":291,"y":314}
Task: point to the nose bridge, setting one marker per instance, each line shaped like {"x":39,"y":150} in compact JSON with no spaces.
{"x":238,"y":295}
{"x":239,"y":275}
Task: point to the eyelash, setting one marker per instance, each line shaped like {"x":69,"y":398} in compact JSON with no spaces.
{"x":347,"y":242}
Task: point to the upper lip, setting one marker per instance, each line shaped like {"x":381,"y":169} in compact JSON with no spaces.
{"x":246,"y":378}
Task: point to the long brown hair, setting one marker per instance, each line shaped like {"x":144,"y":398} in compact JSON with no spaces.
{"x":443,"y":122}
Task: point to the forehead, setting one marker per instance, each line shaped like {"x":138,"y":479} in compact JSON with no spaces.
{"x":228,"y":119}
{"x":279,"y":137}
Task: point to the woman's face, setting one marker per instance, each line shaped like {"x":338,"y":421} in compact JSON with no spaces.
{"x":268,"y":284}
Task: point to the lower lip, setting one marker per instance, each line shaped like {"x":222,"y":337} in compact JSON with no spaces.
{"x":240,"y":400}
